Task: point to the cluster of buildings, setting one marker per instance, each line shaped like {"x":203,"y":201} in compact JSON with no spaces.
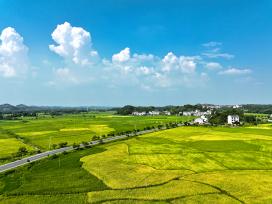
{"x":202,"y":116}
{"x":270,"y":119}
{"x":197,"y":113}
{"x":151,"y":113}
{"x":231,"y":120}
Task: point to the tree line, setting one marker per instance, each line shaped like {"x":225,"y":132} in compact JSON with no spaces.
{"x":129,"y":109}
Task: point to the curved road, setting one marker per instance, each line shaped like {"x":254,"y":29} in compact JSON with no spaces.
{"x":43,"y":155}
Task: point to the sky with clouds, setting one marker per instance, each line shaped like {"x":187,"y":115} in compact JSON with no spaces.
{"x":112,"y":53}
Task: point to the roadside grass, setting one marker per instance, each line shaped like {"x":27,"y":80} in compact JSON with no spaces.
{"x":61,"y":179}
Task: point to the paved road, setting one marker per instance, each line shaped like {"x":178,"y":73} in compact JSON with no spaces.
{"x":43,"y":155}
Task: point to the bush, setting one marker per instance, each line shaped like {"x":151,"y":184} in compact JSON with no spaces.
{"x":101,"y":141}
{"x":84,"y":143}
{"x":63,"y":144}
{"x":54,"y":156}
{"x":95,"y":138}
{"x":76,"y":146}
{"x":21,"y":151}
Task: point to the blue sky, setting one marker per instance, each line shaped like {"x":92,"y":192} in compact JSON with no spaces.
{"x":135,"y":52}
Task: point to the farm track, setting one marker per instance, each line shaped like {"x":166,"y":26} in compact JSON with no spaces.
{"x":153,"y":200}
{"x":217,"y":188}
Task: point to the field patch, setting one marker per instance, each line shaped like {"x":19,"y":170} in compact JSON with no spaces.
{"x":249,"y":186}
{"x":45,"y":199}
{"x":222,"y":146}
{"x":174,"y":189}
{"x":113,"y":168}
{"x":11,"y":146}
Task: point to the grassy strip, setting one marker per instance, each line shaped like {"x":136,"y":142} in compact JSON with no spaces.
{"x":62,"y":175}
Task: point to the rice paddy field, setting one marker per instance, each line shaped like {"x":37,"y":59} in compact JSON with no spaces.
{"x":181,"y":165}
{"x":42,"y":132}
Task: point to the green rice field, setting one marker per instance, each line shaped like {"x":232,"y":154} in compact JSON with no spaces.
{"x":181,"y":165}
{"x":41,"y":133}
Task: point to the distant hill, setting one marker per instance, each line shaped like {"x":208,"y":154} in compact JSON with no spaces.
{"x":8,"y":108}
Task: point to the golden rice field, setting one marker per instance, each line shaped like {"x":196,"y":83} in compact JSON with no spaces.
{"x":181,"y":165}
{"x":186,"y":165}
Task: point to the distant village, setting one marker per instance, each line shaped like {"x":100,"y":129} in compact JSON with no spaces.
{"x":202,"y":116}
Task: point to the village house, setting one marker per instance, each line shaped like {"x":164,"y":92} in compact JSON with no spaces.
{"x":139,"y":113}
{"x":196,"y":113}
{"x":154,"y":113}
{"x":233,"y":119}
{"x":270,"y":119}
{"x":202,"y":120}
{"x":166,"y":113}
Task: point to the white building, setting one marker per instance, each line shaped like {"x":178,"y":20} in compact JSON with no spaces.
{"x":270,"y":120}
{"x":199,"y":121}
{"x":232,"y":119}
{"x":166,"y":113}
{"x":204,"y":118}
{"x":187,"y":113}
{"x":154,"y":113}
{"x":236,"y":106}
{"x":196,"y":113}
{"x":139,"y":113}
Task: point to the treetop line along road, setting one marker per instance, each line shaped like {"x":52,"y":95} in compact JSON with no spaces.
{"x":24,"y":161}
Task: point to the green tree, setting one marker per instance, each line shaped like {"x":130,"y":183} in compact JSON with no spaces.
{"x":76,"y":146}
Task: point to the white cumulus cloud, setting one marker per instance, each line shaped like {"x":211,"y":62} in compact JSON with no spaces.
{"x":122,"y":56}
{"x":13,"y":54}
{"x":74,"y":44}
{"x":183,"y":63}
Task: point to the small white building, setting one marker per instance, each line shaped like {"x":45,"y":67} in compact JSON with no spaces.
{"x":186,"y":113}
{"x":205,"y":119}
{"x":236,"y":106}
{"x":233,"y":118}
{"x":139,"y":113}
{"x":199,"y":121}
{"x":154,"y":113}
{"x":166,"y":113}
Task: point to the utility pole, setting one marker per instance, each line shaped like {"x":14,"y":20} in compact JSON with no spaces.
{"x":50,"y":138}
